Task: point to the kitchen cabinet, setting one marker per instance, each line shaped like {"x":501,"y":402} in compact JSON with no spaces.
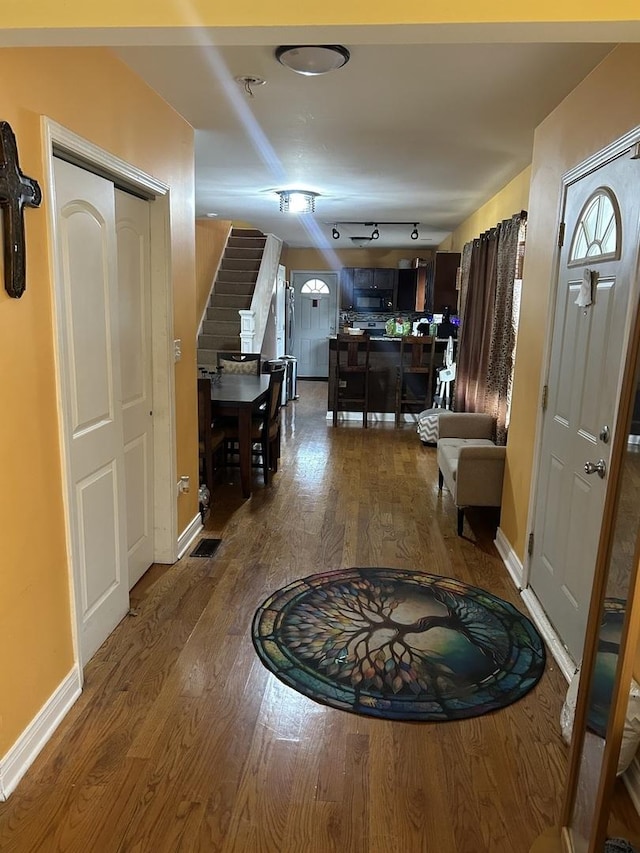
{"x":440,"y":287}
{"x":365,"y":279}
{"x":406,"y":299}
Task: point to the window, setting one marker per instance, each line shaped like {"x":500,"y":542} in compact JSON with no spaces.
{"x":315,"y":287}
{"x":597,"y":233}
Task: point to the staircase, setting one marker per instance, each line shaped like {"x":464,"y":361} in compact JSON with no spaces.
{"x":232,"y":291}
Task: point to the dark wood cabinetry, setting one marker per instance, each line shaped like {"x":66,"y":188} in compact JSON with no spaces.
{"x":440,"y":282}
{"x":365,"y":279}
{"x":406,"y":299}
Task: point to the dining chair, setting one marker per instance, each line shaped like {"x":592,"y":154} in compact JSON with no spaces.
{"x":210,"y":437}
{"x":239,"y":362}
{"x":414,"y":374}
{"x":265,"y":428}
{"x":351,"y":385}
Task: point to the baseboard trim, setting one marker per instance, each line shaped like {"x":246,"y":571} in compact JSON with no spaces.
{"x":373,"y":417}
{"x":189,"y":534}
{"x":561,"y":656}
{"x":26,"y":749}
{"x":509,"y":558}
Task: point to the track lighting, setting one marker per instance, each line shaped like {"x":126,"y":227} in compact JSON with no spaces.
{"x":375,"y":233}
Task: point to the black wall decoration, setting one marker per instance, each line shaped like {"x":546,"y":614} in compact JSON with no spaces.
{"x":16,"y":190}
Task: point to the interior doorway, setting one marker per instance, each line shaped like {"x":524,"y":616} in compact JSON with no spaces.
{"x":88,"y":359}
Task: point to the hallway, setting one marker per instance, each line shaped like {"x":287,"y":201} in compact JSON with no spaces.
{"x":182,"y":741}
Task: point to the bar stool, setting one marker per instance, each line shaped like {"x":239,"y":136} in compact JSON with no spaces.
{"x":414,"y":378}
{"x":352,"y":368}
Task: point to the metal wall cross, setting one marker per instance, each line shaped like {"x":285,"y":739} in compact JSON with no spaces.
{"x":16,"y":190}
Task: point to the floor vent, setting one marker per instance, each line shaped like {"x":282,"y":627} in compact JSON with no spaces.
{"x":206,"y":548}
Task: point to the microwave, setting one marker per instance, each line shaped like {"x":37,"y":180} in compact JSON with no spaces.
{"x":373,"y":300}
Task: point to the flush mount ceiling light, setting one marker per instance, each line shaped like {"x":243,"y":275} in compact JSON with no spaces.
{"x":297,"y":201}
{"x":312,"y":59}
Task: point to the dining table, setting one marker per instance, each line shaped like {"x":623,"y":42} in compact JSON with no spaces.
{"x":240,"y":396}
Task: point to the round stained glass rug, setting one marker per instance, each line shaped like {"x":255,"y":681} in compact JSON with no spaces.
{"x":396,"y":644}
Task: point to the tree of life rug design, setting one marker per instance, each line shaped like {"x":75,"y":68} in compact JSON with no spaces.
{"x":401,"y":645}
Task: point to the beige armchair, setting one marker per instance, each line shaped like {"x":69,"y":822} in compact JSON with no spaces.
{"x":469,"y":463}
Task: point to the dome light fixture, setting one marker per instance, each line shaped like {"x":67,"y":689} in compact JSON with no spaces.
{"x":335,"y":233}
{"x":312,"y":59}
{"x":414,"y":233}
{"x":375,"y":233}
{"x":297,"y":201}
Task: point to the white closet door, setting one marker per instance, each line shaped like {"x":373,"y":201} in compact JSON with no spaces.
{"x":134,"y":325}
{"x":92,"y":401}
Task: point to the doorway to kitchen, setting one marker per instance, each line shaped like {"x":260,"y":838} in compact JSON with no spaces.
{"x":316,"y":295}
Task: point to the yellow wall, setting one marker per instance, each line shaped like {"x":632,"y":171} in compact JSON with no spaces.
{"x":563,"y":140}
{"x":163,"y":13}
{"x":315,"y":259}
{"x":511,"y":199}
{"x":211,"y":239}
{"x":96,"y":96}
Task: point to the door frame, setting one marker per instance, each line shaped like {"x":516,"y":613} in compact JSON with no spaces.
{"x":630,"y":143}
{"x":165,"y":515}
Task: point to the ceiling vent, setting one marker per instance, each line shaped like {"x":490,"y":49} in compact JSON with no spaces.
{"x":361,"y":241}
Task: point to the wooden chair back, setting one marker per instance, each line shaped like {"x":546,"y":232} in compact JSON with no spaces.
{"x":352,"y":352}
{"x":417,"y":353}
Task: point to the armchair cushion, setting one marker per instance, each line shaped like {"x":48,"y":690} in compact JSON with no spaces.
{"x":469,"y":463}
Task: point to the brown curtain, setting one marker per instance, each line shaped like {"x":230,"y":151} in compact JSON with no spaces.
{"x":485,"y":347}
{"x":474,"y":343}
{"x":503,"y":329}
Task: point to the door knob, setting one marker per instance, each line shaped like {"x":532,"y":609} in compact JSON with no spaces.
{"x":592,"y":467}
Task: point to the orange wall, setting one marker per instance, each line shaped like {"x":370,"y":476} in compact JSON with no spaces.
{"x":96,"y":96}
{"x":511,"y":199}
{"x":562,"y":141}
{"x":211,"y":239}
{"x":315,"y":259}
{"x":291,"y":12}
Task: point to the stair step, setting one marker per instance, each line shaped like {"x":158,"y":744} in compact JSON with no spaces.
{"x":246,"y":232}
{"x":224,"y":315}
{"x":234,"y":288}
{"x":231,"y":340}
{"x":246,"y":242}
{"x":224,"y":300}
{"x":241,"y":260}
{"x":248,"y":276}
{"x":216,"y":327}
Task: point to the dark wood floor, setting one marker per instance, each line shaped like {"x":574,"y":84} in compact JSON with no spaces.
{"x":182,"y":741}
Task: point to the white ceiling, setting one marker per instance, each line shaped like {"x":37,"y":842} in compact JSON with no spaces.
{"x":404,"y":132}
{"x":424,"y":124}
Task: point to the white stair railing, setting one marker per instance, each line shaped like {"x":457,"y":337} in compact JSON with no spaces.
{"x":253,"y":321}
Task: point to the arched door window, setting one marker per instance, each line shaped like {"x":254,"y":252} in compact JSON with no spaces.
{"x":315,"y":287}
{"x":597,"y":234}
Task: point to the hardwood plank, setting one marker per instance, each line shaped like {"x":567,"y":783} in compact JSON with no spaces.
{"x":182,"y":741}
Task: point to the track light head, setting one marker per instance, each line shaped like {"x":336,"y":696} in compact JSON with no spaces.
{"x":414,"y":233}
{"x":375,"y":233}
{"x":335,"y":233}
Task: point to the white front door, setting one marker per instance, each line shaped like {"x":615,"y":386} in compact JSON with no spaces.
{"x":91,"y":401}
{"x":134,"y":327}
{"x":315,"y":319}
{"x":598,"y":256}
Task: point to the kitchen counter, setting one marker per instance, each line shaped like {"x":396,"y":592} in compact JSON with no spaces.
{"x":384,"y":358}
